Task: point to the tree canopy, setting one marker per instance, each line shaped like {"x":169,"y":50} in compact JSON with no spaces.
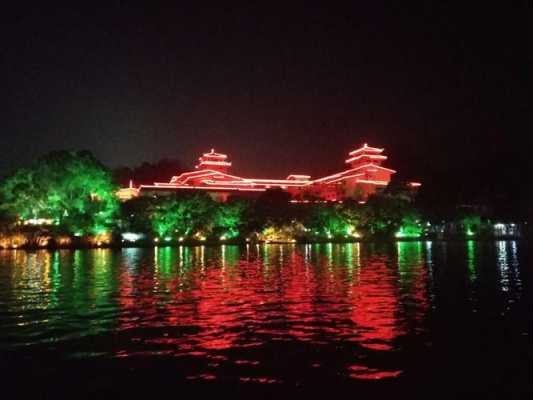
{"x":73,"y":193}
{"x":194,"y":214}
{"x":147,"y":173}
{"x":71,"y":189}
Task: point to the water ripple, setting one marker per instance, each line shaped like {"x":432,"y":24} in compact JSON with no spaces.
{"x":260,"y":314}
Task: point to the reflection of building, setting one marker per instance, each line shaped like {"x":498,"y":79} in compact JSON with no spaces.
{"x":364,"y":176}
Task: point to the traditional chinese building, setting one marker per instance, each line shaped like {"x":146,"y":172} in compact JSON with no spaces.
{"x":364,"y":176}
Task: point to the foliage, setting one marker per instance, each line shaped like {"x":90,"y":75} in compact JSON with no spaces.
{"x":183,"y":215}
{"x":73,"y":194}
{"x":273,"y":217}
{"x":471,"y":225}
{"x":411,"y":226}
{"x":147,"y":173}
{"x":135,"y":214}
{"x":228,"y":219}
{"x":272,"y":207}
{"x":328,"y":220}
{"x":384,"y":214}
{"x":71,"y":188}
{"x":5,"y":219}
{"x":284,"y":233}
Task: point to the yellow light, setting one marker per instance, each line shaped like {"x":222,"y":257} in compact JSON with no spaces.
{"x":63,"y":240}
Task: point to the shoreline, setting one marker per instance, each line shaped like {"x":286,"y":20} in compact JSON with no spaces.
{"x":217,"y":243}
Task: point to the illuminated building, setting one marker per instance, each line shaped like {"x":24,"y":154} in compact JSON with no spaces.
{"x":365,"y":176}
{"x":127,"y":193}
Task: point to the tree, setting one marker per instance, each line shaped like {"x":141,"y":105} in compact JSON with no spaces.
{"x":72,"y":189}
{"x":384,"y":214}
{"x":411,"y":226}
{"x":228,"y":219}
{"x":471,"y":224}
{"x":148,"y":173}
{"x":271,"y":207}
{"x":328,"y":219}
{"x":183,"y":215}
{"x":135,"y":214}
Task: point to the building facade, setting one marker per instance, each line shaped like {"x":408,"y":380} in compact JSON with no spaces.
{"x":364,"y":175}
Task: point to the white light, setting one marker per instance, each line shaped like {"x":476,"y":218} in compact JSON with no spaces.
{"x":132,"y":237}
{"x":38,"y":221}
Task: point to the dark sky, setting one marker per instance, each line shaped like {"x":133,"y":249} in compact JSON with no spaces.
{"x":280,"y":90}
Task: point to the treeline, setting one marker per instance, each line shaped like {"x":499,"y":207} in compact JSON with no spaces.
{"x":69,"y":198}
{"x":270,"y":217}
{"x":148,"y":173}
{"x":71,"y":192}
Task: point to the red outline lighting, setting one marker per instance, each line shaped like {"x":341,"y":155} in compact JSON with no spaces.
{"x":346,"y":177}
{"x":384,"y":183}
{"x":212,"y":154}
{"x":366,"y":148}
{"x":367,"y":174}
{"x":371,"y":156}
{"x":299,"y":177}
{"x":208,"y":162}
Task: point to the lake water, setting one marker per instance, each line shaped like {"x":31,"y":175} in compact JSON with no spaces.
{"x":414,"y":316}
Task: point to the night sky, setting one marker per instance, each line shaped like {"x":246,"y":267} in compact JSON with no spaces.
{"x":279,"y":90}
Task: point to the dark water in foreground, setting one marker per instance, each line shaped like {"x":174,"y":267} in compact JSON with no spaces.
{"x":418,"y":317}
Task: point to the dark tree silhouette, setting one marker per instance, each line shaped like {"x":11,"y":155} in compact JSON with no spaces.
{"x":148,"y":173}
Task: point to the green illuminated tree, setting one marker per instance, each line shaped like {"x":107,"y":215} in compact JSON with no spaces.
{"x":353,"y":214}
{"x":169,"y":217}
{"x":383,"y":214}
{"x":72,"y":189}
{"x":228,"y":219}
{"x":471,"y":224}
{"x":411,"y":225}
{"x":328,"y":219}
{"x":183,"y":215}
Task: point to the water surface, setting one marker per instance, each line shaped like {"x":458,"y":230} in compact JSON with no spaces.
{"x":401,"y":315}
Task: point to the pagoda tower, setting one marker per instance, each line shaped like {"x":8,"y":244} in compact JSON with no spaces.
{"x":366,"y":155}
{"x":214,"y":161}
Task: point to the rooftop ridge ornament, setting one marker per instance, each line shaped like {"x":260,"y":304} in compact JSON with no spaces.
{"x":366,"y":148}
{"x":213,"y":160}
